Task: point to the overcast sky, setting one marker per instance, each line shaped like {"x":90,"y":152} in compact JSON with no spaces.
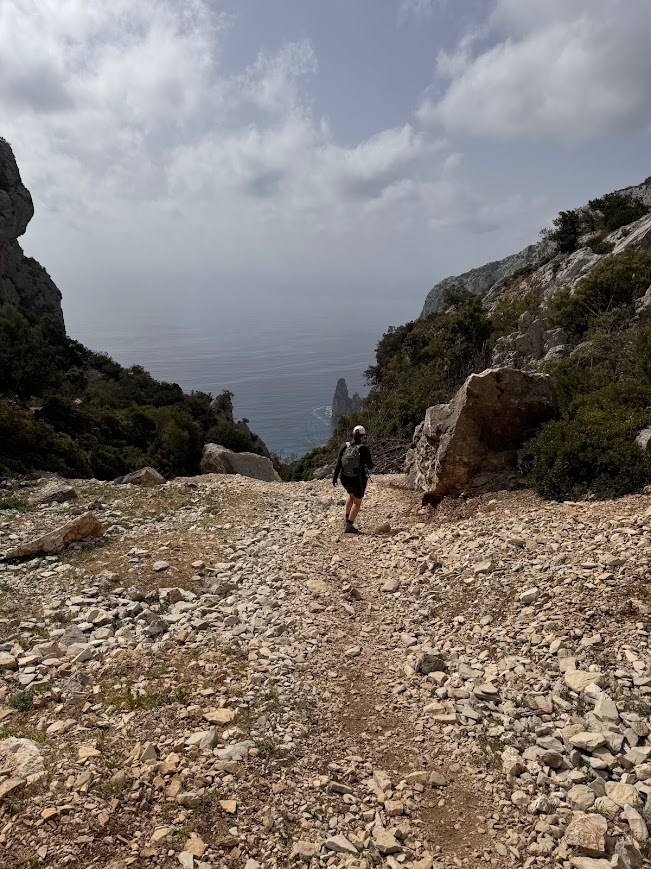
{"x":259,"y":150}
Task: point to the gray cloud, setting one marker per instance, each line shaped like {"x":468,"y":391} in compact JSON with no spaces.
{"x":561,"y":69}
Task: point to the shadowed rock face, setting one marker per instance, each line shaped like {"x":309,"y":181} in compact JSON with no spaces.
{"x":342,"y":402}
{"x":23,"y":282}
{"x":473,"y":440}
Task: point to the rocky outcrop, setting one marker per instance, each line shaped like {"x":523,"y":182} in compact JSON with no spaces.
{"x":218,"y":460}
{"x":23,"y":282}
{"x":142,"y":477}
{"x":534,"y":343}
{"x":480,"y":280}
{"x":221,"y":408}
{"x":342,"y":402}
{"x":553,"y":271}
{"x":566,"y":270}
{"x":471,"y":443}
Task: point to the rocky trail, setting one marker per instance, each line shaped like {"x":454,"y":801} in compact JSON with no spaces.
{"x":225,"y":679}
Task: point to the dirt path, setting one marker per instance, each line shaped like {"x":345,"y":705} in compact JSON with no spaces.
{"x":225,"y":679}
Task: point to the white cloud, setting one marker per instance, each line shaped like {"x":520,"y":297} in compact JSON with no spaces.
{"x":420,"y":9}
{"x":128,"y":103}
{"x":144,"y":152}
{"x":559,"y":69}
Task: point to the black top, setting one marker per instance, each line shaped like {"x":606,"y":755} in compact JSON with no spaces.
{"x":365,"y":463}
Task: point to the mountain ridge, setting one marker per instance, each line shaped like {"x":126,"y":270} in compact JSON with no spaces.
{"x":482,"y":279}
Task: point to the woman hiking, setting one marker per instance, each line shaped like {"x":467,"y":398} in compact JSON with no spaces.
{"x":353,"y":461}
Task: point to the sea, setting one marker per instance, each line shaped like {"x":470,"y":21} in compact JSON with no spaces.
{"x":282,"y":370}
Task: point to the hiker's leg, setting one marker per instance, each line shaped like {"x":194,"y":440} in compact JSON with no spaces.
{"x":349,"y":506}
{"x":354,"y":510}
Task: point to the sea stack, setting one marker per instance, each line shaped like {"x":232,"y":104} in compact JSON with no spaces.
{"x":342,"y":403}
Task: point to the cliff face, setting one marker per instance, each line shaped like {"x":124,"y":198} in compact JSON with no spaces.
{"x":560,"y":270}
{"x":23,"y":282}
{"x":342,"y":402}
{"x":481,"y":279}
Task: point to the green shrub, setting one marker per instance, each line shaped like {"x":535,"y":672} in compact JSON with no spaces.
{"x":617,"y":209}
{"x":599,"y":245}
{"x":28,"y":444}
{"x":565,"y":235}
{"x":508,"y":310}
{"x":615,"y":282}
{"x":228,"y":435}
{"x":592,"y":450}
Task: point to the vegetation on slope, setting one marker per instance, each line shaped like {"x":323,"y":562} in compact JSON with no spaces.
{"x":66,"y":409}
{"x":604,"y":386}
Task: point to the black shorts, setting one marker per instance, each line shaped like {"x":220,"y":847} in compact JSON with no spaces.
{"x":355,"y":486}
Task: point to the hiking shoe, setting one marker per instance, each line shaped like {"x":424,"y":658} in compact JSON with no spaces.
{"x":350,"y":529}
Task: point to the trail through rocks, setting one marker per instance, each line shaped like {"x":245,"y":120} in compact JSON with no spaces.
{"x":225,"y":678}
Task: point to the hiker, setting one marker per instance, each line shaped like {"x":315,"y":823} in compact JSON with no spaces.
{"x":353,"y":462}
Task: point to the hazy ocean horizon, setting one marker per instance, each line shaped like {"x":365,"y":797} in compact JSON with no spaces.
{"x":283,"y":375}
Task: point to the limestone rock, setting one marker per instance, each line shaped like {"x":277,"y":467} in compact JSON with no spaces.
{"x":84,"y":526}
{"x":23,"y":282}
{"x":143,"y":477}
{"x":473,"y":440}
{"x":342,"y":403}
{"x":579,"y":680}
{"x":623,"y":794}
{"x":22,"y":756}
{"x":385,"y":842}
{"x":587,"y":832}
{"x":534,"y":342}
{"x":340,"y":845}
{"x":57,"y":490}
{"x":219,"y":460}
{"x":481,"y":279}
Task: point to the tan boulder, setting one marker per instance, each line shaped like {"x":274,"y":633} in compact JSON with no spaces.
{"x":472,"y":441}
{"x":84,"y":526}
{"x":219,"y":460}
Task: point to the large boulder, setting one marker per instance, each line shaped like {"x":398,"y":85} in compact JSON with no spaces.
{"x":472,"y":442}
{"x":143,"y":477}
{"x":80,"y":528}
{"x":219,"y":460}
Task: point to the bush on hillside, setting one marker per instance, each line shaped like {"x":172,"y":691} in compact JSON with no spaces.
{"x":616,"y":209}
{"x":592,"y":450}
{"x":29,"y":444}
{"x":34,"y":354}
{"x":566,"y":231}
{"x":615,"y":282}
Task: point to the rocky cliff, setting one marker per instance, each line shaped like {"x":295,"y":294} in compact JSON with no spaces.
{"x":491,"y":279}
{"x":23,"y":282}
{"x":480,"y":280}
{"x":342,"y":402}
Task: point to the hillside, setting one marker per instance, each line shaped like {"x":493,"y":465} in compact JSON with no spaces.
{"x":574,"y":308}
{"x":486,"y":280}
{"x":225,"y":679}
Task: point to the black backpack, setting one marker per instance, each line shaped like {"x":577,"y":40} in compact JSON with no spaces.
{"x":351,"y":460}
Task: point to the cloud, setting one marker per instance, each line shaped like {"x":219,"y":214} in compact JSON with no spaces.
{"x":568,"y":70}
{"x":419,"y":9}
{"x":134,"y":135}
{"x":129,"y":103}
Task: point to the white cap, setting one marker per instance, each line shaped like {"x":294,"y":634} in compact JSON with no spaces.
{"x":359,"y":429}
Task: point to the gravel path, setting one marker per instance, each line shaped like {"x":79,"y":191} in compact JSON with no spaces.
{"x":224,"y":678}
